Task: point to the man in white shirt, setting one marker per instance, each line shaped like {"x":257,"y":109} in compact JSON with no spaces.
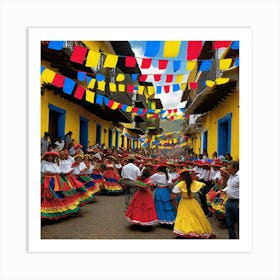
{"x":59,"y":144}
{"x":232,"y":204}
{"x":129,"y":174}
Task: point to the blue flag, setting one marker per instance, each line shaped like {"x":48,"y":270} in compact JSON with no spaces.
{"x":134,"y":77}
{"x":56,"y":45}
{"x":68,"y":86}
{"x":205,"y":65}
{"x":176,"y":65}
{"x":42,"y":68}
{"x":176,"y":87}
{"x":236,"y":63}
{"x":158,"y":89}
{"x":152,"y":48}
{"x":100,"y":77}
{"x":124,"y":107}
{"x":81,"y":76}
{"x":99,"y":99}
{"x":88,"y":79}
{"x":235,"y":45}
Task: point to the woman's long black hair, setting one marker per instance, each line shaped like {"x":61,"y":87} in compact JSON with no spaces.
{"x":163,"y":169}
{"x":186,"y":176}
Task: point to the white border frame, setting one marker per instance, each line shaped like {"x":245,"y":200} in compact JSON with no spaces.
{"x":35,"y":35}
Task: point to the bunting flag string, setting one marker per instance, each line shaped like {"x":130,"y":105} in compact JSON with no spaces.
{"x":171,"y":49}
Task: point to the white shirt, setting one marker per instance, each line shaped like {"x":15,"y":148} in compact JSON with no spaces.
{"x":65,"y":166}
{"x":173,"y":175}
{"x":49,"y":167}
{"x":60,"y":146}
{"x":72,"y":151}
{"x":232,"y":188}
{"x":130,"y":171}
{"x":160,"y":179}
{"x":79,"y":169}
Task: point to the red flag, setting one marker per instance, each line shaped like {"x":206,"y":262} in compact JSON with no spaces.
{"x":172,"y":118}
{"x":175,"y":110}
{"x":194,"y":49}
{"x":193,"y":85}
{"x":58,"y":80}
{"x":129,"y":88}
{"x":221,"y":44}
{"x":156,"y":116}
{"x":146,"y":63}
{"x":134,"y":110}
{"x":169,"y":78}
{"x":120,"y":106}
{"x":157,"y":77}
{"x":110,"y":103}
{"x":143,"y":78}
{"x":78,"y":55}
{"x":166,"y":88}
{"x":162,"y":64}
{"x":130,"y":61}
{"x":79,"y":93}
{"x":169,"y":111}
{"x":145,"y":111}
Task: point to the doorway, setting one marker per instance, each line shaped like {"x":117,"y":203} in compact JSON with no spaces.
{"x":110,"y":135}
{"x":98,"y":134}
{"x":84,"y":132}
{"x":56,"y":122}
{"x":224,"y":135}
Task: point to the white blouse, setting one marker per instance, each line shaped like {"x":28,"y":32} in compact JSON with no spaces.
{"x":49,"y":167}
{"x":65,"y":166}
{"x":160,"y":179}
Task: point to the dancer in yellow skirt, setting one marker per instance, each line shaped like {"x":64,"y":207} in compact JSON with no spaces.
{"x":191,"y":221}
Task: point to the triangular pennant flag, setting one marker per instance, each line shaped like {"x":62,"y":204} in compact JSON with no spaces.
{"x":92,"y":58}
{"x":136,"y":87}
{"x":110,"y":61}
{"x":151,"y":90}
{"x":68,"y":85}
{"x":134,"y":110}
{"x":146,"y":63}
{"x":101,"y":85}
{"x":209,"y":83}
{"x":133,"y":77}
{"x":128,"y":109}
{"x":236,"y":63}
{"x":158,"y":89}
{"x":194,"y":49}
{"x":48,"y":76}
{"x":176,"y":87}
{"x":141,"y":90}
{"x":220,"y":81}
{"x":90,"y":96}
{"x":79,"y":93}
{"x":171,"y":49}
{"x":106,"y":100}
{"x":152,"y":48}
{"x":88,"y":79}
{"x":56,"y":45}
{"x":100,"y":77}
{"x":190,"y":65}
{"x":42,"y":68}
{"x":169,"y":78}
{"x":78,"y":55}
{"x":143,"y":78}
{"x":225,"y":63}
{"x":129,"y":88}
{"x":121,"y":106}
{"x":205,"y":65}
{"x":157,"y":77}
{"x":235,"y":45}
{"x":179,"y":78}
{"x":166,"y":88}
{"x":58,"y":80}
{"x":81,"y":76}
{"x":193,"y":85}
{"x":176,"y":65}
{"x":99,"y":99}
{"x":121,"y":88}
{"x":130,"y":61}
{"x":115,"y":105}
{"x":221,"y":44}
{"x":110,"y":103}
{"x":113,"y":87}
{"x":91,"y":84}
{"x":162,"y":64}
{"x":120,"y":77}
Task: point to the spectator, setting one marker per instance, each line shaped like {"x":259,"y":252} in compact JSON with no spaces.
{"x":68,"y":137}
{"x":59,"y":144}
{"x":45,"y":142}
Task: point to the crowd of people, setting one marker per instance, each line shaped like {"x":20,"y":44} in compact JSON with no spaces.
{"x":168,"y":188}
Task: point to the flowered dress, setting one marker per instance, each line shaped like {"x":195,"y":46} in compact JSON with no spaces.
{"x":191,"y":221}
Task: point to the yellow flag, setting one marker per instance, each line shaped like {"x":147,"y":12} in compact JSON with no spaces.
{"x":153,"y":105}
{"x":121,"y":87}
{"x":128,"y":109}
{"x":111,"y":61}
{"x":157,"y":111}
{"x":115,"y":105}
{"x":183,"y":86}
{"x":190,"y":65}
{"x":141,"y":89}
{"x":171,"y":48}
{"x":151,"y":90}
{"x":179,"y":78}
{"x":225,"y":63}
{"x":90,"y":96}
{"x":91,"y":84}
{"x":220,"y":81}
{"x":48,"y":76}
{"x":113,"y":87}
{"x":210,"y":83}
{"x":92,"y":58}
{"x":120,"y":77}
{"x":101,"y":85}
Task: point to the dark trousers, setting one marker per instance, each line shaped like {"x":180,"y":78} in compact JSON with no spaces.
{"x":232,"y":217}
{"x":202,"y":196}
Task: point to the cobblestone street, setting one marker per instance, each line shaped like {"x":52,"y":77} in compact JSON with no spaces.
{"x":104,"y":219}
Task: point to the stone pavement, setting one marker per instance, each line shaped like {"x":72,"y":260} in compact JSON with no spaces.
{"x":104,"y":219}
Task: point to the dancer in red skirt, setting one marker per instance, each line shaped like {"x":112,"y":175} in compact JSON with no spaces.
{"x":141,"y":209}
